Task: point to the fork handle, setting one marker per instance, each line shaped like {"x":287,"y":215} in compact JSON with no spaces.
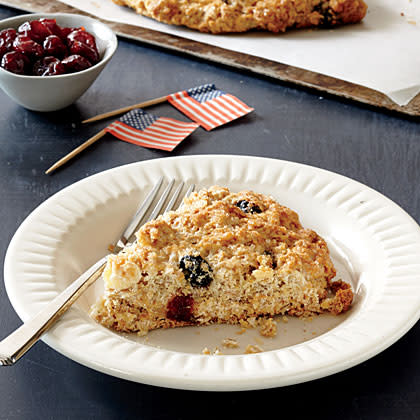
{"x":14,"y":346}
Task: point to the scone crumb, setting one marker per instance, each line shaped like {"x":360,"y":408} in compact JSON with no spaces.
{"x":285,"y":319}
{"x":341,"y":301}
{"x":230,"y":343}
{"x":253,"y":348}
{"x":253,"y":322}
{"x":244,"y":324}
{"x":268,"y":327}
{"x":207,"y":352}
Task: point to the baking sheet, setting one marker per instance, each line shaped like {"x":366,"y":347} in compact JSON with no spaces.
{"x":381,"y":53}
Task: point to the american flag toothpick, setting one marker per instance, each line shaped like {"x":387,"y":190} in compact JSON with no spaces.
{"x":206,"y":105}
{"x":147,"y":130}
{"x":141,"y":128}
{"x":209,"y":106}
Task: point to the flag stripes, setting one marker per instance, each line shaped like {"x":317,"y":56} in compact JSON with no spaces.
{"x":208,"y":106}
{"x":145,"y":130}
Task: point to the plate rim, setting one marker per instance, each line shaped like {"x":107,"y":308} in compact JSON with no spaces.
{"x":255,"y":381}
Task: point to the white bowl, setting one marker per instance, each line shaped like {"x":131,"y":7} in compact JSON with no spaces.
{"x":50,"y":93}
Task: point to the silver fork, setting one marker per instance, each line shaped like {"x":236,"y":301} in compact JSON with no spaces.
{"x":14,"y":346}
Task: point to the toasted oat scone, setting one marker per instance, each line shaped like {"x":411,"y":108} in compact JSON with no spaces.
{"x":221,"y":16}
{"x":222,"y":258}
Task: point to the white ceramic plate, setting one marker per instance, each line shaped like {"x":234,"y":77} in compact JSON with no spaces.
{"x":373,"y":242}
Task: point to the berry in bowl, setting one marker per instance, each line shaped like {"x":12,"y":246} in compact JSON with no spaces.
{"x":61,"y":54}
{"x":44,"y":48}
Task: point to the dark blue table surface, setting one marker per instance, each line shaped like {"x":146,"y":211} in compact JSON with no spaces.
{"x":378,"y":149}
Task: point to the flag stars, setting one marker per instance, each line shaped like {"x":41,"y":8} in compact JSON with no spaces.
{"x":138,"y":118}
{"x":205,"y":93}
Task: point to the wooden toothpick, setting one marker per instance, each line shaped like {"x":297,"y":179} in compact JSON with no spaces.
{"x":96,"y":137}
{"x":126,"y":109}
{"x":76,"y":151}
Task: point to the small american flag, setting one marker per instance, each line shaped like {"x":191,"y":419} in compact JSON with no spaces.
{"x":144,"y":129}
{"x":209,"y":106}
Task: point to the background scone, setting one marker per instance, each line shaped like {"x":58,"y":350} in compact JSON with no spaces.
{"x":222,"y":258}
{"x":221,"y":16}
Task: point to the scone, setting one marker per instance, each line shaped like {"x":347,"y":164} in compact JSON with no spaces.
{"x":222,"y":16}
{"x":223,"y":257}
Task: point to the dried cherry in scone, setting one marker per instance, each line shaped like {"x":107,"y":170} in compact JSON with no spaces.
{"x":248,"y":207}
{"x":273,"y":260}
{"x":180,"y":308}
{"x":197,"y":270}
{"x":326,"y":15}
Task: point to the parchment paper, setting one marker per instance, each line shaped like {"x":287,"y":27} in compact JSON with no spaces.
{"x":381,"y":53}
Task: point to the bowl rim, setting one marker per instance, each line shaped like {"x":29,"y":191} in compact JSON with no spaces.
{"x":102,"y":62}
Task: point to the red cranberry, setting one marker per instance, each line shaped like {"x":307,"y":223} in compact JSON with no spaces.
{"x":51,"y":24}
{"x":8,"y":35}
{"x":27,"y":46}
{"x":48,"y":66}
{"x":6,"y":40}
{"x":66,"y":31}
{"x":75,"y":63}
{"x":180,"y":308}
{"x":53,"y":45}
{"x":15,"y":62}
{"x":55,"y":70}
{"x":38,"y":46}
{"x":84,"y":50}
{"x":4,"y":47}
{"x":35,"y":30}
{"x":82,"y":36}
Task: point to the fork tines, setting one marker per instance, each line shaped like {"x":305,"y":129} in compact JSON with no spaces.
{"x":6,"y":361}
{"x":139,"y":218}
